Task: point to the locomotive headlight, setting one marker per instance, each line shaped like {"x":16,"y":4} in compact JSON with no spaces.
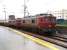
{"x":50,"y":26}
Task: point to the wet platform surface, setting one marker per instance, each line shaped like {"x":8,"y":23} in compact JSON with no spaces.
{"x":9,"y":40}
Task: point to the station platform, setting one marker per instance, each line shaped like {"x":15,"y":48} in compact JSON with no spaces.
{"x":11,"y":39}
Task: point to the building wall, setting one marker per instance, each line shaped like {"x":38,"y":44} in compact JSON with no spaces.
{"x":60,"y":14}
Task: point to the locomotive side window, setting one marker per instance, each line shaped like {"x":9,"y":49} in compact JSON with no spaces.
{"x":33,"y":21}
{"x":46,"y":19}
{"x":41,"y":19}
{"x":23,"y":21}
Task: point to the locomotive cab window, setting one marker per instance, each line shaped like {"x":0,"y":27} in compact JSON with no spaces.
{"x":33,"y":21}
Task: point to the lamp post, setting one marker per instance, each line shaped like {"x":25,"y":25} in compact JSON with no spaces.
{"x":5,"y":13}
{"x":25,"y":8}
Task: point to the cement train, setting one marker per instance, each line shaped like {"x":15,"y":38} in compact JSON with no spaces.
{"x":41,"y":23}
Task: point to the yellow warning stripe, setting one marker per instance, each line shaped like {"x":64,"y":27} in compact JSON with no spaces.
{"x":39,"y":41}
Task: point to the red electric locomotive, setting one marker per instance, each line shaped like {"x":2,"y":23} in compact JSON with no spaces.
{"x":47,"y":24}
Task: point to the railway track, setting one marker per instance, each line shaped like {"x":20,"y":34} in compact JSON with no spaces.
{"x":60,"y":38}
{"x":58,"y":41}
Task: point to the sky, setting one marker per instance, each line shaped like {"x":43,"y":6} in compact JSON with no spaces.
{"x":16,"y":7}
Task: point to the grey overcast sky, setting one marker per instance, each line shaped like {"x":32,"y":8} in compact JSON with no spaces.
{"x":34,"y":6}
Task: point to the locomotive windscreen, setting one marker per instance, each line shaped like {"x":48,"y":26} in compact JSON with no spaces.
{"x":52,"y":19}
